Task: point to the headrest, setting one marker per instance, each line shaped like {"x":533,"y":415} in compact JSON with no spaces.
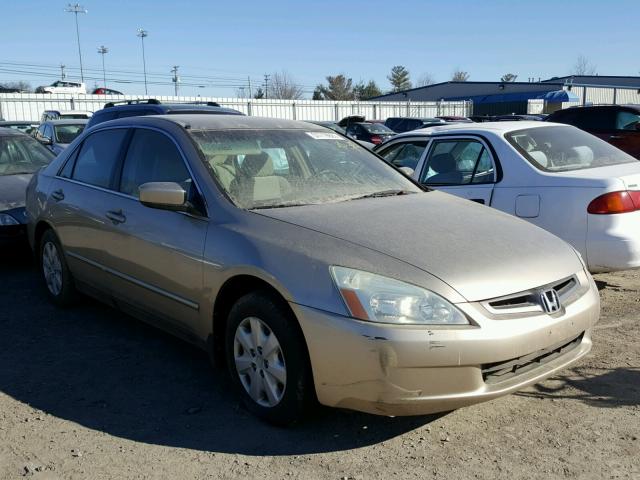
{"x":583,"y":153}
{"x":539,"y":157}
{"x":443,"y":163}
{"x":260,"y":165}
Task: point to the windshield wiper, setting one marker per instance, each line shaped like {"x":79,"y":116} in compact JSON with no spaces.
{"x":280,"y":205}
{"x":383,"y":193}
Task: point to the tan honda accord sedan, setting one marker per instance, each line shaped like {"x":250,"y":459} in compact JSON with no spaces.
{"x":310,"y":267}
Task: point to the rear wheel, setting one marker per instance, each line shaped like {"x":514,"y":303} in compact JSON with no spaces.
{"x":55,"y":273}
{"x":267,"y":359}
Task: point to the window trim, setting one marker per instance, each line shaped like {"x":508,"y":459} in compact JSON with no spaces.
{"x":463,"y":136}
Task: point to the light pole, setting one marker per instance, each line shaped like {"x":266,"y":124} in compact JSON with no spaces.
{"x":102,"y":51}
{"x":76,"y":9}
{"x":143,"y":33}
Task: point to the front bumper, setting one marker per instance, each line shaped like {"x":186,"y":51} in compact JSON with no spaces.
{"x":13,"y":234}
{"x":412,"y":370}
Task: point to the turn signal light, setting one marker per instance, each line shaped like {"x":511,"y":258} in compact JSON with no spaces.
{"x":615,"y":202}
{"x":376,"y":140}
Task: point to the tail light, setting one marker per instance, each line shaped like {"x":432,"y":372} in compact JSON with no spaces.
{"x":376,"y":139}
{"x":615,"y":202}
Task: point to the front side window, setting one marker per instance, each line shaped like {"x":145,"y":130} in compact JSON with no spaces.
{"x":22,"y":155}
{"x":98,"y":156}
{"x":281,"y":168}
{"x":404,"y":154}
{"x":563,"y":149}
{"x":627,"y":121}
{"x":152,"y":157}
{"x":458,"y":162}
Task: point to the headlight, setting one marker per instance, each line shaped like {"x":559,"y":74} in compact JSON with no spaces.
{"x":6,"y":220}
{"x":380,"y":299}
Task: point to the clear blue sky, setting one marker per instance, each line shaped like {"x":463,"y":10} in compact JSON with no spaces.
{"x":229,"y":41}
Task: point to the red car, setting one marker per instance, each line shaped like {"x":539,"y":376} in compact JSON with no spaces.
{"x":105,"y":91}
{"x":617,"y":124}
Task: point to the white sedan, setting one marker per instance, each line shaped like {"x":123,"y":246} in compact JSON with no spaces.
{"x":558,"y":177}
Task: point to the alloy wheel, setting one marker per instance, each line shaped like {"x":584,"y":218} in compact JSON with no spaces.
{"x":52,"y":268}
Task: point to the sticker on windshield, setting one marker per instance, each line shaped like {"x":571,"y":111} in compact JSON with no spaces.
{"x":325,"y":136}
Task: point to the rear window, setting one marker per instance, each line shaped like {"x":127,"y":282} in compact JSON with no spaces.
{"x":376,"y":128}
{"x":563,"y":149}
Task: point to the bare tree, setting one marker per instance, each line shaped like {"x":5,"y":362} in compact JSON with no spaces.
{"x":283,"y":86}
{"x":424,"y":80}
{"x":508,"y":77}
{"x":20,"y":85}
{"x":460,"y":76}
{"x":583,"y":67}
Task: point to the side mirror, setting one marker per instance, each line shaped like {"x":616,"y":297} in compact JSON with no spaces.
{"x":164,"y":196}
{"x":46,"y":141}
{"x":408,"y":171}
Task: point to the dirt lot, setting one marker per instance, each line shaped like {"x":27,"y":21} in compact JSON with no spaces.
{"x":89,"y":393}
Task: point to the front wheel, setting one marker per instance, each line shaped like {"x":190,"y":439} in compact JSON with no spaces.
{"x":55,"y":273}
{"x":267,"y":359}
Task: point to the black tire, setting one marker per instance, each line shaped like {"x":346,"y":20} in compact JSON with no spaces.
{"x":299,"y":392}
{"x":67,"y":295}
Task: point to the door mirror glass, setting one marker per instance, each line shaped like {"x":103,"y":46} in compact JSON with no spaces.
{"x":163,"y":195}
{"x":46,"y":141}
{"x":408,"y":171}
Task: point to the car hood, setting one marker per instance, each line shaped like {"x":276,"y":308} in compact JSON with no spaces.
{"x":480,"y":252}
{"x":13,"y":190}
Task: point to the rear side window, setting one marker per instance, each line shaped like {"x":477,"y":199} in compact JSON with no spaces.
{"x":98,"y":156}
{"x":404,"y":154}
{"x":627,"y":120}
{"x":596,"y":120}
{"x":152,"y":157}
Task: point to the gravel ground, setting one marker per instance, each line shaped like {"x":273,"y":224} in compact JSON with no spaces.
{"x":89,"y":393}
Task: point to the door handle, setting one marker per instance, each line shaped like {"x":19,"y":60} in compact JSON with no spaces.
{"x":116,"y":216}
{"x":477,"y":200}
{"x":58,"y":195}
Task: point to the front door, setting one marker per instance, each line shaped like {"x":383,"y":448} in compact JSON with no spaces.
{"x":157,"y":259}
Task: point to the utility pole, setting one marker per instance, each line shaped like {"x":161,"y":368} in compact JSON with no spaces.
{"x":142,"y":34}
{"x":62,"y":74}
{"x":102,"y":50}
{"x":249,"y":82}
{"x":266,"y":85}
{"x":76,"y":9}
{"x":176,"y":78}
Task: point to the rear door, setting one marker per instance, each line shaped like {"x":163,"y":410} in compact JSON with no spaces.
{"x":462,"y":166}
{"x":156,"y":256}
{"x":79,"y":197}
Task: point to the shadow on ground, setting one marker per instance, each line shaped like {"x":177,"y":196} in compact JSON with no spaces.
{"x":603,"y":388}
{"x":106,"y":371}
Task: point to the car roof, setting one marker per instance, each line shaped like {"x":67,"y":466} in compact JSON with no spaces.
{"x":169,"y":107}
{"x":68,"y":121}
{"x":495,"y":127}
{"x":17,"y":122}
{"x":6,"y":132}
{"x":216,"y":122}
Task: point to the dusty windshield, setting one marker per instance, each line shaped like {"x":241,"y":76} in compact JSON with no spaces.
{"x":22,"y":154}
{"x":280,"y":168}
{"x":562,"y":149}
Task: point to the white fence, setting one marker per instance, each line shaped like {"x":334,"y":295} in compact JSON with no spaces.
{"x":29,"y":106}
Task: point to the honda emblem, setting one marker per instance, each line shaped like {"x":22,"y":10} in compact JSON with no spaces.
{"x":550,"y":301}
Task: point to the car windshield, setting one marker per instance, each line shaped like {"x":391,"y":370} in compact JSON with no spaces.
{"x":282,"y":168}
{"x":563,"y":149}
{"x":377,"y":128}
{"x":22,"y":154}
{"x":68,"y":133}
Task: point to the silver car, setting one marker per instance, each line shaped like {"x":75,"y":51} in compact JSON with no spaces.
{"x":295,"y":256}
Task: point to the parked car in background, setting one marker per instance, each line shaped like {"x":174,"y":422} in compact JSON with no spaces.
{"x":65,"y":115}
{"x":455,"y":119}
{"x":137,"y":108}
{"x":375,"y":133}
{"x":62,"y":86}
{"x":617,"y":124}
{"x":338,"y":129}
{"x":23,"y":126}
{"x":515,"y":117}
{"x":20,"y":157}
{"x":105,"y":91}
{"x":290,"y":274}
{"x":406,"y":124}
{"x":56,"y":135}
{"x":558,"y":177}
